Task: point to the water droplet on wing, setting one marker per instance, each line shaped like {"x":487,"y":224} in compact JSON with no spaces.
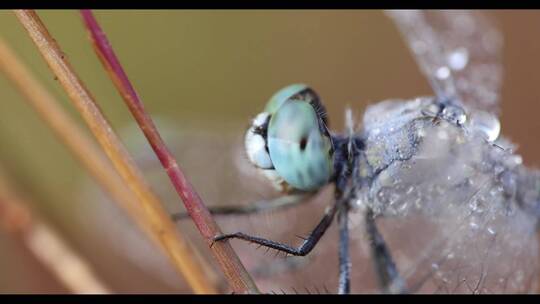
{"x":486,"y":124}
{"x":454,"y":114}
{"x":442,"y":73}
{"x":458,"y":59}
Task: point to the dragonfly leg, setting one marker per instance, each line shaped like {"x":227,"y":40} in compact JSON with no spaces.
{"x":389,"y":278}
{"x":344,"y":261}
{"x":260,"y":206}
{"x":306,"y":247}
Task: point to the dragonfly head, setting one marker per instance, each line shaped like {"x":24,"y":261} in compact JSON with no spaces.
{"x":289,"y":141}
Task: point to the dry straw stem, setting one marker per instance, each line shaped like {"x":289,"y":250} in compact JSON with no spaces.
{"x":84,"y":149}
{"x":159,"y":222}
{"x":65,"y":128}
{"x":45,"y":244}
{"x":235,"y":272}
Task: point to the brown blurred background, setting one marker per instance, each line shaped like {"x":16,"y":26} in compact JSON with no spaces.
{"x":214,"y":70}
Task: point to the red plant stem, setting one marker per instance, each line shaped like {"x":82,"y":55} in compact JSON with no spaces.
{"x":231,"y":265}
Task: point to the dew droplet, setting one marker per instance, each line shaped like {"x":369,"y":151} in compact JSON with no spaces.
{"x":454,"y":114}
{"x":516,"y":160}
{"x":442,"y":72}
{"x":410,"y":190}
{"x":458,"y":59}
{"x":403,"y":207}
{"x":486,"y":124}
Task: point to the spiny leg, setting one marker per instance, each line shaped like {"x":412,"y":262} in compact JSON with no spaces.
{"x":260,"y":206}
{"x":389,"y":278}
{"x":306,"y":247}
{"x":344,"y":261}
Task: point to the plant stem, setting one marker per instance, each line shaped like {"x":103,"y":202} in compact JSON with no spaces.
{"x":158,"y":221}
{"x":65,"y":128}
{"x":45,"y":244}
{"x":238,"y":278}
{"x":85,"y":150}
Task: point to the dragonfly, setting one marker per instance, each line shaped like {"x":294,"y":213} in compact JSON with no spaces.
{"x":442,"y":202}
{"x":435,"y":155}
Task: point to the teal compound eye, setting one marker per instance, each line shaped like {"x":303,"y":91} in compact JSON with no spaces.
{"x":300,"y":92}
{"x":300,"y":148}
{"x":283,"y":95}
{"x":289,"y":140}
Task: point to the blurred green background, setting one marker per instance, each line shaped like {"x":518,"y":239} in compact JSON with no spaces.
{"x":214,"y":70}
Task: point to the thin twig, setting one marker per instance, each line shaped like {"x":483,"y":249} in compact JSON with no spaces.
{"x":85,"y":150}
{"x":45,"y":244}
{"x":233,"y":269}
{"x":157,"y":218}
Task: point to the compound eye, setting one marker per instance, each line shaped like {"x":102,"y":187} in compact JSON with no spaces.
{"x":299,"y":150}
{"x":283,"y":95}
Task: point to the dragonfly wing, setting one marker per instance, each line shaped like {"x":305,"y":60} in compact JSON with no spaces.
{"x":458,"y":51}
{"x":457,"y":212}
